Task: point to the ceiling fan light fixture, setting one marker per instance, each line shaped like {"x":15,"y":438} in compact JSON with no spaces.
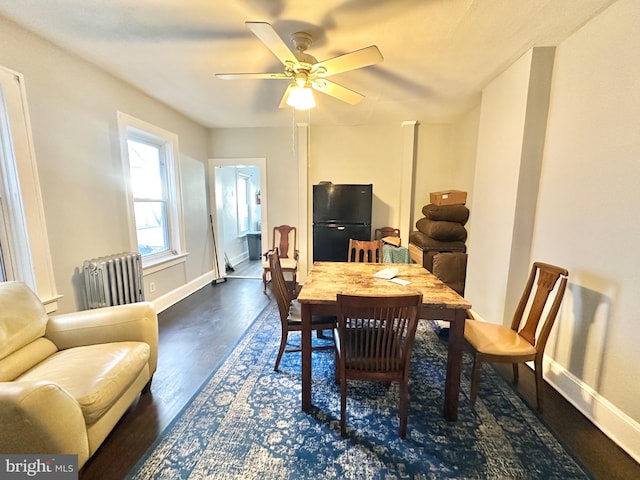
{"x":301,"y":98}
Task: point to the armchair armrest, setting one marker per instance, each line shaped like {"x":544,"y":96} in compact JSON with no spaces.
{"x":121,"y":323}
{"x":40,"y":417}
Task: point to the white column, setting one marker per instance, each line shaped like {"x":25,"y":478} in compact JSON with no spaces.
{"x":407,"y":182}
{"x":304,"y":192}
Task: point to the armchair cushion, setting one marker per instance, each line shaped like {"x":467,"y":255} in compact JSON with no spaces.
{"x":21,"y":360}
{"x":96,"y":376}
{"x":22,"y":317}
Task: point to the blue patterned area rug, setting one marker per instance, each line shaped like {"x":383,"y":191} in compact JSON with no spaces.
{"x":246,"y":423}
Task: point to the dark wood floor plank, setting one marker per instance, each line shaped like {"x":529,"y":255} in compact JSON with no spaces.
{"x":198,"y":332}
{"x":195,"y":335}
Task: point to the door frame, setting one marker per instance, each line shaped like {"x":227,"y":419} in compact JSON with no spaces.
{"x":215,"y":203}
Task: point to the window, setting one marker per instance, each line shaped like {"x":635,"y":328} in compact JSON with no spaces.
{"x":243,"y":204}
{"x":151,"y":167}
{"x":148,"y":187}
{"x":24,"y":245}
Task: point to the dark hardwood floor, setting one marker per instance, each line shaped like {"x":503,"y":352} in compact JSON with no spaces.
{"x":197,"y":333}
{"x":246,"y":269}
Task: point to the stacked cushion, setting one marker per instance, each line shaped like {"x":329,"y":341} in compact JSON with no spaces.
{"x":441,"y":234}
{"x":441,"y":228}
{"x":449,"y":213}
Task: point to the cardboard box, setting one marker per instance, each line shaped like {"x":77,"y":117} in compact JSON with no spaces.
{"x":448,"y":197}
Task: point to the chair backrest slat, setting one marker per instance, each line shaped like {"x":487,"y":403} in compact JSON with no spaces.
{"x":367,"y":251}
{"x":547,"y":277}
{"x":381,"y":330}
{"x":279,"y":286}
{"x":282,"y":241}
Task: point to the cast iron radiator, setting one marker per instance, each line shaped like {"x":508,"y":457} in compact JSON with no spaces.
{"x":113,"y":280}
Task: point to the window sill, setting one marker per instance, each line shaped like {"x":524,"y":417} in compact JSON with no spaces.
{"x":157,"y":264}
{"x":51,"y":304}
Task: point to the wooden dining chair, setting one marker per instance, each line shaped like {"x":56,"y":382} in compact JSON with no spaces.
{"x":522,"y":341}
{"x":285,"y":240}
{"x":290,"y":311}
{"x":367,"y":251}
{"x":374,"y":339}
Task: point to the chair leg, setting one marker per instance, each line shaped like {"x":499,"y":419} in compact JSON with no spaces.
{"x":343,"y":406}
{"x":147,"y":387}
{"x":264,"y":280}
{"x":283,"y":344}
{"x":403,"y":411}
{"x":516,"y":373}
{"x":475,"y":379}
{"x":539,"y":383}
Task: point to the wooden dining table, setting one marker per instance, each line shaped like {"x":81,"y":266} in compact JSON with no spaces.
{"x":326,"y":279}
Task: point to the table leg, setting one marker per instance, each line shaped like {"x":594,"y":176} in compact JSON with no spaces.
{"x":306,"y":357}
{"x":454,"y":366}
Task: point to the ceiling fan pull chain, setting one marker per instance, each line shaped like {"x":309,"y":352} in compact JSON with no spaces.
{"x":293,"y":130}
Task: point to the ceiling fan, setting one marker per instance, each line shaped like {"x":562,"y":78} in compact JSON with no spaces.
{"x":304,"y":71}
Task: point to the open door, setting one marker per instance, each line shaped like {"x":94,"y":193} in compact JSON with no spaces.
{"x":238,"y":196}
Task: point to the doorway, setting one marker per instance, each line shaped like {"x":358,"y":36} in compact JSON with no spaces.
{"x":238,"y":194}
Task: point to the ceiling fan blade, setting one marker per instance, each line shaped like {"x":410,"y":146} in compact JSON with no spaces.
{"x":272,"y":40}
{"x":349,"y":61}
{"x":246,"y":76}
{"x":283,"y":102}
{"x":338,"y":91}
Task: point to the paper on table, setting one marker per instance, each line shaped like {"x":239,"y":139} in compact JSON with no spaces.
{"x":399,"y":281}
{"x":386,"y":273}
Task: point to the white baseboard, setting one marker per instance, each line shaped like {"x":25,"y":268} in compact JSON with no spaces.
{"x":613,"y":422}
{"x":171,"y":298}
{"x":617,"y":425}
{"x":237,"y":259}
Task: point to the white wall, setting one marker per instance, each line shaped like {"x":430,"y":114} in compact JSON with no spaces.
{"x":464,"y":144}
{"x":73,"y":108}
{"x":361,"y":155}
{"x":585,"y":216}
{"x":373,"y":154}
{"x":445,"y":160}
{"x":495,"y":189}
{"x":274,"y":144}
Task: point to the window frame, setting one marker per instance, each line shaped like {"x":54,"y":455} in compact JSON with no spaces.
{"x":244,"y":204}
{"x":130,"y":127}
{"x":26,"y":249}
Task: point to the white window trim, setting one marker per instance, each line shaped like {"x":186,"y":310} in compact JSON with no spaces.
{"x":242,"y":232}
{"x":128,"y":125}
{"x":31,"y":261}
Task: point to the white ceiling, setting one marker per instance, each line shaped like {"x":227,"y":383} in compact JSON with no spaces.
{"x":438,"y":54}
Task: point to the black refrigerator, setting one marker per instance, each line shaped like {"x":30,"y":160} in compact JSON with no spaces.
{"x":340,"y":212}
